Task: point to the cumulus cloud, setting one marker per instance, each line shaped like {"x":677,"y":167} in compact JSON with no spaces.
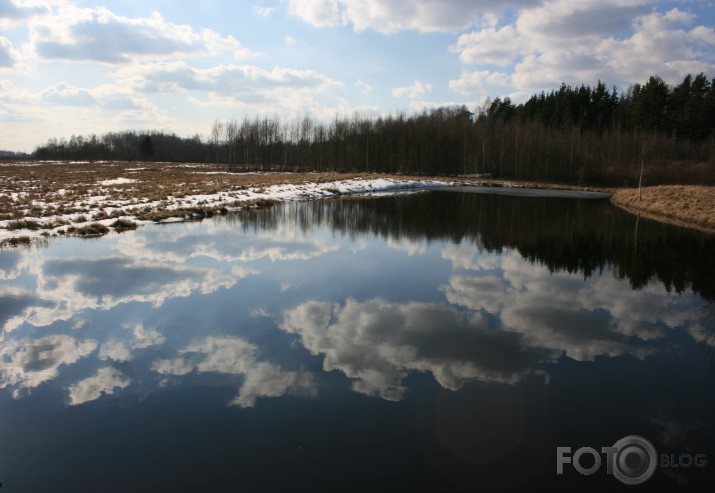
{"x":620,"y":41}
{"x":64,"y":95}
{"x":489,"y":46}
{"x":13,"y":303}
{"x":67,"y":287}
{"x":555,"y":311}
{"x":662,"y":44}
{"x":105,"y":96}
{"x":558,"y":20}
{"x":377,"y":343}
{"x":233,"y":356}
{"x":12,"y":263}
{"x":408,"y":246}
{"x":540,"y":315}
{"x":139,"y":338}
{"x":8,"y":54}
{"x":320,"y":13}
{"x":282,"y":244}
{"x":658,"y":43}
{"x":245,"y":81}
{"x":11,"y":13}
{"x":412,"y":91}
{"x":466,"y":256}
{"x":476,"y":82}
{"x":104,"y":382}
{"x":98,"y":34}
{"x":389,"y":16}
{"x":25,"y":364}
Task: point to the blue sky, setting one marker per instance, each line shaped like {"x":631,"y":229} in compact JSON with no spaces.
{"x":81,"y":67}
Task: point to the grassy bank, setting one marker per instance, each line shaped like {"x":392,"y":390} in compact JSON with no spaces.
{"x":682,"y":205}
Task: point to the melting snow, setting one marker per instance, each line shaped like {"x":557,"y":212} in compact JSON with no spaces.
{"x":116,"y":181}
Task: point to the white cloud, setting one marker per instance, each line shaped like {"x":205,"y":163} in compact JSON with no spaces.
{"x":233,"y":356}
{"x":285,"y":243}
{"x":12,"y":263}
{"x":9,"y":56}
{"x":140,"y":338}
{"x":489,"y":46}
{"x":477,"y":292}
{"x":63,"y":95}
{"x":115,"y":350}
{"x":465,"y":256}
{"x":290,"y":40}
{"x":660,"y":44}
{"x":363,"y":87}
{"x":265,"y":11}
{"x":245,"y":82}
{"x":67,"y":287}
{"x":97,"y":34}
{"x":554,"y":311}
{"x":582,"y":41}
{"x":389,"y":16}
{"x":12,"y":14}
{"x":556,"y":21}
{"x":377,"y":343}
{"x":408,"y":246}
{"x":104,"y":382}
{"x":476,"y":82}
{"x":27,"y":364}
{"x":413,"y":91}
{"x":320,"y":13}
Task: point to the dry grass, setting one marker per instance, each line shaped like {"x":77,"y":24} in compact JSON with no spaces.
{"x":683,"y":205}
{"x":55,"y":199}
{"x":121,"y":225}
{"x":94,"y":230}
{"x":47,"y":196}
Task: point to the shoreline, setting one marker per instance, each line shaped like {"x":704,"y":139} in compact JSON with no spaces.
{"x":54,"y":200}
{"x":688,"y":206}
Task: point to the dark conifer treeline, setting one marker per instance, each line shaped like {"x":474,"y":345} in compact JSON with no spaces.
{"x":574,"y":134}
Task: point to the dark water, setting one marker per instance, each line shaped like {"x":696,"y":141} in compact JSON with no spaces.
{"x":437,"y":341}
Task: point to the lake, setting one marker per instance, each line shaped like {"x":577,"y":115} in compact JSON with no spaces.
{"x":434,"y":341}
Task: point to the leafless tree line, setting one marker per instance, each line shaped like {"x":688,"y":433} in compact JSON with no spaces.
{"x":579,"y":135}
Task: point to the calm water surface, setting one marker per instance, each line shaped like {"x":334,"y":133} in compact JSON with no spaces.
{"x":441,"y":341}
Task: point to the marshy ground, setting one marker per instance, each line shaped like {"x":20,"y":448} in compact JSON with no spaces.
{"x":92,"y":199}
{"x":89,"y":199}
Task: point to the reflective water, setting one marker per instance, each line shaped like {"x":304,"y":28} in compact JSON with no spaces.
{"x":440,"y":341}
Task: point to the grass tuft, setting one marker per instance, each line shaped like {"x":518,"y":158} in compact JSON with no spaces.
{"x":24,"y":224}
{"x":15,"y":241}
{"x":121,"y":225}
{"x":93,"y":230}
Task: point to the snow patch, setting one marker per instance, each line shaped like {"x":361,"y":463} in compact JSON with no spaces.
{"x":117,"y":181}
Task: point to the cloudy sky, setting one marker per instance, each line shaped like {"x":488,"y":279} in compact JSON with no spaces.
{"x":92,"y":66}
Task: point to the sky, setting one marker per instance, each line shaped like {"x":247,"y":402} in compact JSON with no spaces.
{"x":90,"y":67}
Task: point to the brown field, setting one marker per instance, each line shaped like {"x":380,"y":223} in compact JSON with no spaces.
{"x":684,"y":205}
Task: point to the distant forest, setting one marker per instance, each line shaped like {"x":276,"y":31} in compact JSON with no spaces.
{"x":581,"y":135}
